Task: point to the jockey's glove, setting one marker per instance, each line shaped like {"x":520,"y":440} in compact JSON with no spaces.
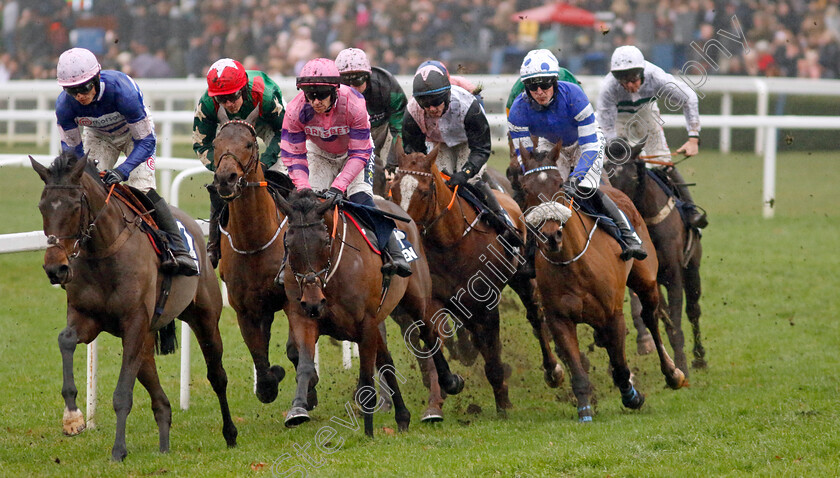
{"x":458,"y":179}
{"x":333,"y":195}
{"x":112,"y":176}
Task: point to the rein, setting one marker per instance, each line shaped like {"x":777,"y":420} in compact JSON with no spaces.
{"x":329,"y":270}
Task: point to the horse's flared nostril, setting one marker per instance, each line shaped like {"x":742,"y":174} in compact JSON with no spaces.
{"x":231,"y":179}
{"x":58,"y":274}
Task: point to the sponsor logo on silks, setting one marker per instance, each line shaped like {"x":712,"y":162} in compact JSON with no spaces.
{"x":100,"y":121}
{"x":189,"y":242}
{"x":326,"y":132}
{"x":406,"y":248}
{"x":151,"y":163}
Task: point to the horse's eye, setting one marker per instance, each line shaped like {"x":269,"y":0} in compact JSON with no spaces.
{"x":250,"y":145}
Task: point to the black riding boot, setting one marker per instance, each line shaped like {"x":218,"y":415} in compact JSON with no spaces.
{"x":498,"y":219}
{"x":695,"y":217}
{"x":214,"y":252}
{"x":396,"y":263}
{"x":631,"y":239}
{"x":179,"y":260}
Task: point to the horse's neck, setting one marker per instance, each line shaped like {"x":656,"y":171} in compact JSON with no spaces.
{"x":108,"y":216}
{"x":450,"y":225}
{"x":575,"y":236}
{"x":253,"y":215}
{"x":649,"y":198}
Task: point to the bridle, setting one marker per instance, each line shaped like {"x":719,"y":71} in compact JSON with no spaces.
{"x":427,"y":227}
{"x":247,"y":168}
{"x":311,"y":276}
{"x":84,"y":233}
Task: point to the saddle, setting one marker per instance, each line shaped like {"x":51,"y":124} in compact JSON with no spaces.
{"x":661,"y":178}
{"x":604,"y":222}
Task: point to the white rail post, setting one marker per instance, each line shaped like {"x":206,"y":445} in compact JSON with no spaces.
{"x":726,"y":131}
{"x":41,"y":127}
{"x":769,"y":193}
{"x":10,"y":128}
{"x":346,"y":359}
{"x":762,"y":99}
{"x":92,"y":373}
{"x":185,"y":366}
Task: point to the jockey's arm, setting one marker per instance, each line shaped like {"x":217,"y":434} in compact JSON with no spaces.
{"x":590,"y":139}
{"x":396,"y":106}
{"x":359,"y":150}
{"x":414,"y":141}
{"x":205,"y":123}
{"x":608,"y":107}
{"x":141,"y":127}
{"x":676,"y":93}
{"x":293,"y":152}
{"x":273,"y":114}
{"x":478,"y":138}
{"x":519,"y":130}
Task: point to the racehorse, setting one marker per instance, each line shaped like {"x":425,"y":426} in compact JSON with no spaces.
{"x":470,"y":265}
{"x":252,"y":247}
{"x":335,"y":287}
{"x":678,"y":248}
{"x":581,"y":279}
{"x":105,"y":261}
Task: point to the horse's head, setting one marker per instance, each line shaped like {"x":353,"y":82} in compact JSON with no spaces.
{"x":414,"y":187}
{"x":236,"y":154}
{"x":65,"y":210}
{"x":308,"y":248}
{"x":541,"y":185}
{"x":624,"y":167}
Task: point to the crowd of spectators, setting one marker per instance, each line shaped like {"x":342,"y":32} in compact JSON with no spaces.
{"x":178,"y":38}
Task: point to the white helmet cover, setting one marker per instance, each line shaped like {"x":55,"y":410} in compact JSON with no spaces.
{"x":76,"y":66}
{"x":539,"y":63}
{"x":352,"y":60}
{"x":627,"y":57}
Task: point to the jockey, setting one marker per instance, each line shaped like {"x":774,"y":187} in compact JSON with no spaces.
{"x":627,"y":107}
{"x":385,"y":102}
{"x":326,"y":145}
{"x":448,"y":114}
{"x":518,"y":88}
{"x":560,"y":112}
{"x":236,"y":93}
{"x":110,"y":106}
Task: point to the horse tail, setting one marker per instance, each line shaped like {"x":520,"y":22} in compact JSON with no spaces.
{"x":166,"y":340}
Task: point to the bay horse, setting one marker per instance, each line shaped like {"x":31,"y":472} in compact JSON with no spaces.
{"x":335,"y":287}
{"x":251,"y":247}
{"x":99,"y":254}
{"x":678,"y":248}
{"x":252,"y":252}
{"x":470,"y":265}
{"x":582,"y":279}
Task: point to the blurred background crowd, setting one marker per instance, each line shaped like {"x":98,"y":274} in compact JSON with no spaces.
{"x":179,"y":38}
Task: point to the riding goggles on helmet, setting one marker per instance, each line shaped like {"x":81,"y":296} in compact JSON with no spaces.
{"x":354,"y":79}
{"x":318,"y":92}
{"x":628,"y":76}
{"x":430,"y":101}
{"x":229,"y":98}
{"x":82,"y":89}
{"x":539,"y":84}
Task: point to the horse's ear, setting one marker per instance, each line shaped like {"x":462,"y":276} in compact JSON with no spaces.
{"x":284,"y":205}
{"x":555,"y":151}
{"x":39,"y":168}
{"x":79,"y":167}
{"x":636,"y":149}
{"x":322,"y":208}
{"x":400,"y":150}
{"x":432,"y":157}
{"x":523,"y":151}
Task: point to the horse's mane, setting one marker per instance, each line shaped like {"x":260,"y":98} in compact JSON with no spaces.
{"x":304,"y":201}
{"x":65,"y":161}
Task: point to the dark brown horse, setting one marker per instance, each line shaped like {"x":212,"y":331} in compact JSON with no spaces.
{"x":109,"y":268}
{"x":251,"y":246}
{"x":470,"y":265}
{"x":678,"y":248}
{"x":335,"y":287}
{"x":582,"y":279}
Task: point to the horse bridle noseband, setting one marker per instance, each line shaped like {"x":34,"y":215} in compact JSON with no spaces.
{"x":311,"y":276}
{"x":426,"y":228}
{"x":248,"y":168}
{"x":84,"y":234}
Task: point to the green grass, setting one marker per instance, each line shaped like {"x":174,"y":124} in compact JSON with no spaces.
{"x":767,"y":405}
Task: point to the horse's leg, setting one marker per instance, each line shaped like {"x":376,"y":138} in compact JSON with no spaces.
{"x":366,"y":391}
{"x":486,"y":329}
{"x":79,"y":330}
{"x":565,"y":337}
{"x":648,"y":291}
{"x":385,"y":366}
{"x":135,"y":340}
{"x":386,"y":397}
{"x":305,"y":334}
{"x":612,"y":337}
{"x":434,"y":409}
{"x":148,"y":377}
{"x":673,"y":327}
{"x":691,"y":274}
{"x":293,"y":356}
{"x":206,"y":330}
{"x":526,"y":290}
{"x":465,"y":346}
{"x":644,"y":342}
{"x":255,"y":327}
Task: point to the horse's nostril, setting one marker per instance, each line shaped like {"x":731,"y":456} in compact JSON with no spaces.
{"x":231,"y":178}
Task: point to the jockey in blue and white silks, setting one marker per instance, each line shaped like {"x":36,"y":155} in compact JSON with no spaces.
{"x":110,"y":107}
{"x":560,"y":112}
{"x":116,"y":120}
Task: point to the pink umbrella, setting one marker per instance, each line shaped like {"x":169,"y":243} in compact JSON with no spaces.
{"x":562,"y":13}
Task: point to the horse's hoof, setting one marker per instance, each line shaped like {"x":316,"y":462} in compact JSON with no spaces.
{"x":455,"y":386}
{"x":230,"y":434}
{"x":698,"y":363}
{"x":73,"y":422}
{"x":677,"y":380}
{"x":311,"y":399}
{"x":278,"y":372}
{"x":554,"y":377}
{"x":296,"y":416}
{"x":402,"y":427}
{"x":585,"y":414}
{"x":645,"y":345}
{"x":118,"y":455}
{"x":633,"y":399}
{"x":432,"y":415}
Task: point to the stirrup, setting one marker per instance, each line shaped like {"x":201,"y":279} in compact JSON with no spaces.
{"x":186,"y":264}
{"x":633,"y":251}
{"x":168,"y":264}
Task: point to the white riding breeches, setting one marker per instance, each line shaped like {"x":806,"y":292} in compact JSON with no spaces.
{"x":106,"y":150}
{"x":644,"y":123}
{"x":324,"y":167}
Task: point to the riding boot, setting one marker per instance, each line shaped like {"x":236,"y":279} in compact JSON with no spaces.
{"x":214,"y":252}
{"x":498,"y":219}
{"x":528,"y":269}
{"x":395,"y":263}
{"x":695,"y":217}
{"x":632,"y":241}
{"x":178,"y":259}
